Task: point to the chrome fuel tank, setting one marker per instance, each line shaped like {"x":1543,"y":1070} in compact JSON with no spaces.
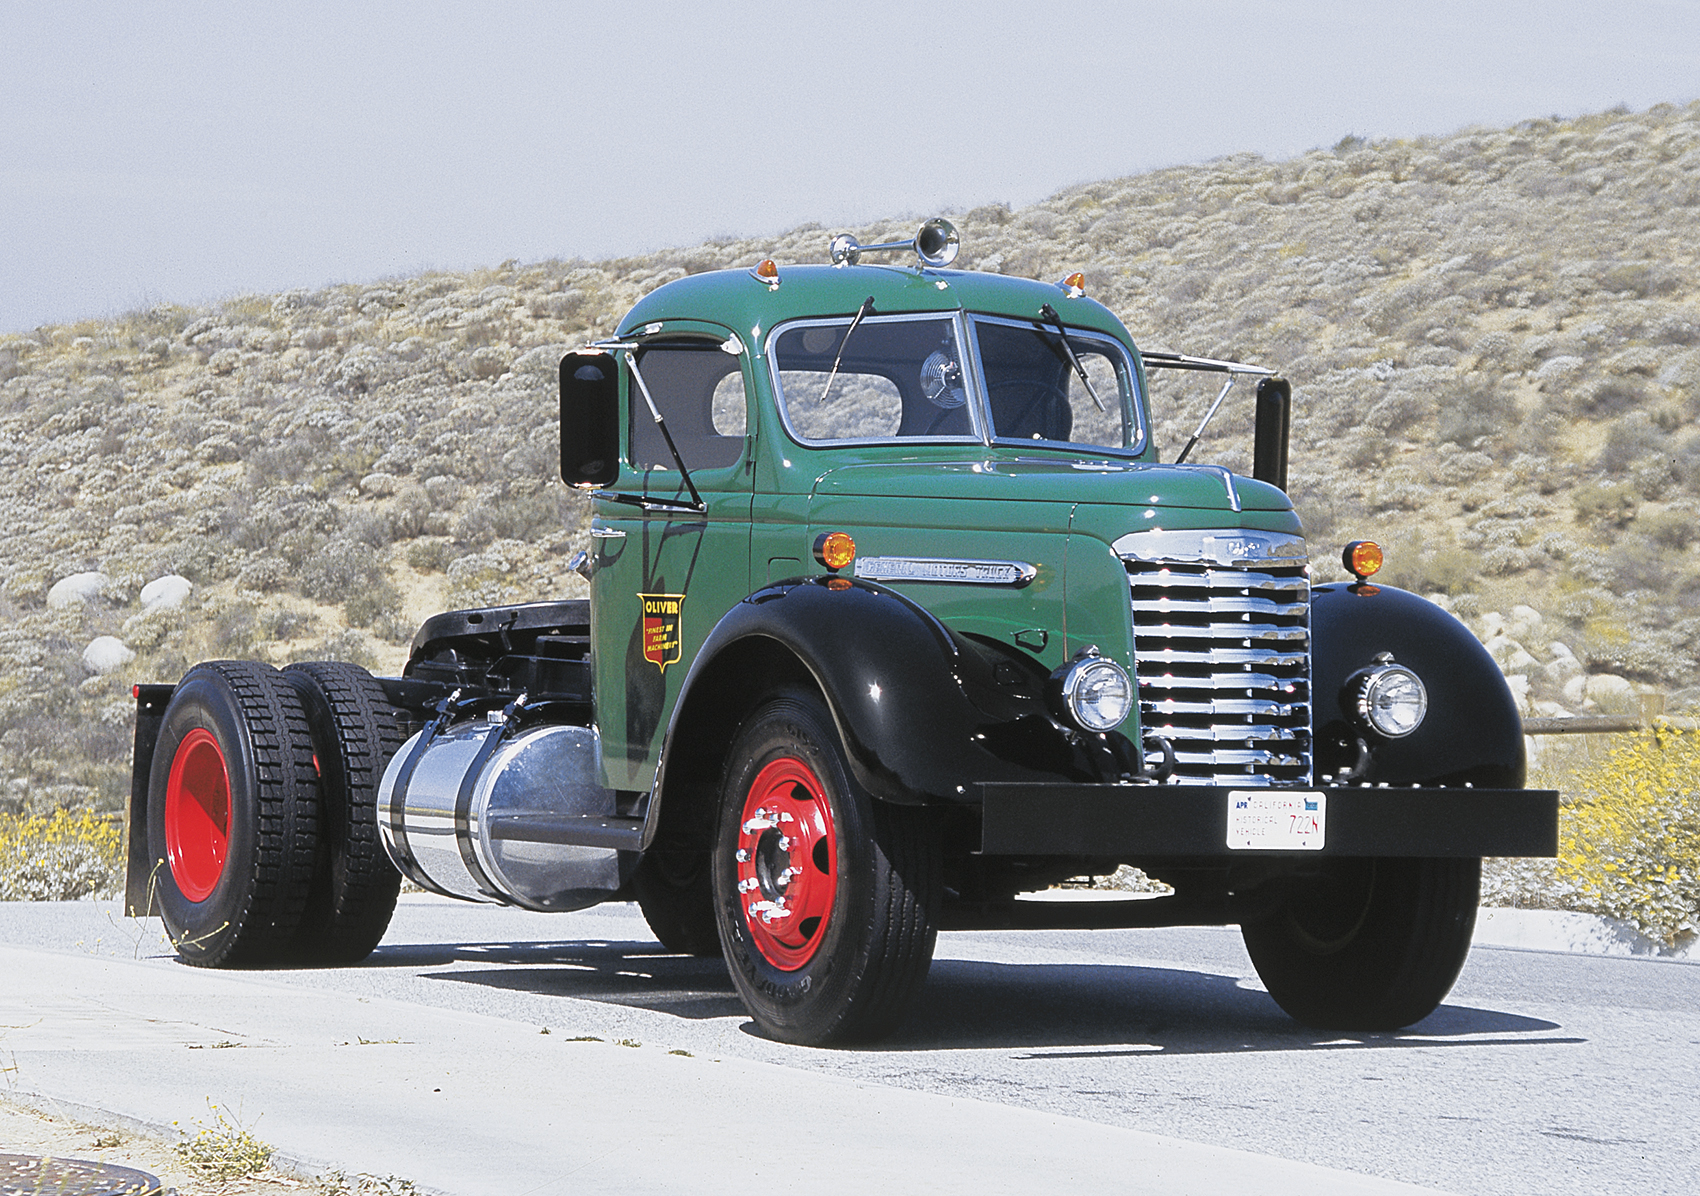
{"x":468,"y":812}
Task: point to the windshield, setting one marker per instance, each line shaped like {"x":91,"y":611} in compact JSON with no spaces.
{"x":1035,"y":393}
{"x":905,"y":377}
{"x":896,"y":377}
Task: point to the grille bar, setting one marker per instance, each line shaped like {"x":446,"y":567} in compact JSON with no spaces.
{"x":1222,"y":653}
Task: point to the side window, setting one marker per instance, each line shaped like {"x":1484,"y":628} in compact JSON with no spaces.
{"x":699,"y":389}
{"x":728,"y":409}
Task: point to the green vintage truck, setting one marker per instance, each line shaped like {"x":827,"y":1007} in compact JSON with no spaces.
{"x":897,"y":616}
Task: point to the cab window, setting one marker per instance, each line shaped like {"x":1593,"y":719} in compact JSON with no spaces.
{"x":699,"y":389}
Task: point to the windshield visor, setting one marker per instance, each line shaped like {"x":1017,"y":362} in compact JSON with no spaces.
{"x":1035,"y":394}
{"x":895,"y":377}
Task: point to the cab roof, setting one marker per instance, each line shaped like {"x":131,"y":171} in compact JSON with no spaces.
{"x":749,"y":306}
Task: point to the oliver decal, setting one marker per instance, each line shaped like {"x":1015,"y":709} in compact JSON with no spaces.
{"x":663,"y":637}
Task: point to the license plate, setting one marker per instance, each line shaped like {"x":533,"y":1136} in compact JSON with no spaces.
{"x":1276,"y":820}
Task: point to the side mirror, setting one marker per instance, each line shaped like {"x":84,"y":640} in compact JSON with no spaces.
{"x":1269,"y":444}
{"x":590,"y":419}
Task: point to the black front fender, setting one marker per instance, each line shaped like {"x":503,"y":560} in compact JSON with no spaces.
{"x":924,"y":714}
{"x":1473,"y":733}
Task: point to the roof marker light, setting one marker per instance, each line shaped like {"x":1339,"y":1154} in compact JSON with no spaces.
{"x":766,"y":271}
{"x":1074,"y":286}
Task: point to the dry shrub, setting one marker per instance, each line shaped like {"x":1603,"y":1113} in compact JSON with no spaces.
{"x":1630,"y":842}
{"x":59,"y":856}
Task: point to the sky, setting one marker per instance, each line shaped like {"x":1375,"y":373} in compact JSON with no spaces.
{"x":183,"y":153}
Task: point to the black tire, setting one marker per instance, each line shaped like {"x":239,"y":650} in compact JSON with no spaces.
{"x":354,"y":734}
{"x":676,"y":895}
{"x":231,"y":881}
{"x":868,"y":878}
{"x":1375,"y":944}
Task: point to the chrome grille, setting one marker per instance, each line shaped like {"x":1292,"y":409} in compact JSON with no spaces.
{"x":1222,"y":654}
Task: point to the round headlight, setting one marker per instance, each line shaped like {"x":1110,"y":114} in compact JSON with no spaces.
{"x":1096,"y":693}
{"x":1392,"y":700}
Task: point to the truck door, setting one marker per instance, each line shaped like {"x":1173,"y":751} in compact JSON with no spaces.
{"x":665,"y":574}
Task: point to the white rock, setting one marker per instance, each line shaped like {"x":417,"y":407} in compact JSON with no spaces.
{"x":166,"y":593}
{"x":105,"y":654}
{"x":1576,"y":690}
{"x":1525,"y":623}
{"x":1519,"y":684}
{"x":1518,"y":660}
{"x":1560,"y":671}
{"x":1611,"y":691}
{"x":79,"y":587}
{"x":1493,"y":623}
{"x":1560,"y":651}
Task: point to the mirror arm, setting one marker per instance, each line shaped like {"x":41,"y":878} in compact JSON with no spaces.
{"x":697,"y":503}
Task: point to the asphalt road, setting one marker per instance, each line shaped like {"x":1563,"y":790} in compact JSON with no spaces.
{"x":1541,"y":1073}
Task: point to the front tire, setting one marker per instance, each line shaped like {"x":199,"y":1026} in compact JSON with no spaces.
{"x":1373,"y":944}
{"x":232,"y":815}
{"x":827,"y":901}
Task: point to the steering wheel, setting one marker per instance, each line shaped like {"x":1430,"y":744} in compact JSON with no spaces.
{"x":1048,"y":401}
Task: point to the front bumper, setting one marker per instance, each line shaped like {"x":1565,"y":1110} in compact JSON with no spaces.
{"x":1133,"y":821}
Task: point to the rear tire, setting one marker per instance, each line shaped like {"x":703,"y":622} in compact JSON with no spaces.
{"x":827,"y":900}
{"x":232,"y":815}
{"x":1375,"y":944}
{"x":676,"y":895}
{"x":354,"y":889}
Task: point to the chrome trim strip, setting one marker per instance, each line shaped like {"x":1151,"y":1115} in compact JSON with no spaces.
{"x":1213,"y":547}
{"x":945,"y":569}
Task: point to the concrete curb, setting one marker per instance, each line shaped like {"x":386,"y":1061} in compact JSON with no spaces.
{"x":1573,"y":934}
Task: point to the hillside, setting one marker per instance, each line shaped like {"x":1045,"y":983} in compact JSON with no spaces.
{"x":1493,"y":339}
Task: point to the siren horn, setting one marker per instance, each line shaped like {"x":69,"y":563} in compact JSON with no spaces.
{"x":936,"y":244}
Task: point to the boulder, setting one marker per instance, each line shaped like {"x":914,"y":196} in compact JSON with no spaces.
{"x":166,"y":593}
{"x":1525,"y":623}
{"x":1611,"y":693}
{"x":77,"y":588}
{"x":106,"y":654}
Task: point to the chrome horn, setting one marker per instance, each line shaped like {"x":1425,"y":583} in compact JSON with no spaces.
{"x":936,"y":245}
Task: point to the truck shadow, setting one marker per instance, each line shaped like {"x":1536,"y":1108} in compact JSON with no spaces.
{"x":1136,"y":1010}
{"x":1102,"y":1010}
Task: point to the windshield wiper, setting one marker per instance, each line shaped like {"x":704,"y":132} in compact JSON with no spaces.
{"x":1050,"y":313}
{"x":866,"y":308}
{"x":696,"y":504}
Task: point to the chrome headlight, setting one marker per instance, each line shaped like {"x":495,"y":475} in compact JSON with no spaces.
{"x":1093,"y":692}
{"x":1391,"y":700}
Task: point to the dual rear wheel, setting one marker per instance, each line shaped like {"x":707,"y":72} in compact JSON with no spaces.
{"x":262,"y":815}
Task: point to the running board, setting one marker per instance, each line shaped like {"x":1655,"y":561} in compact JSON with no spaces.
{"x":571,"y":830}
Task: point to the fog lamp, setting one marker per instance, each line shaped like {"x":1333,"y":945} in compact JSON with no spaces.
{"x":1391,"y":700}
{"x":1092,"y":692}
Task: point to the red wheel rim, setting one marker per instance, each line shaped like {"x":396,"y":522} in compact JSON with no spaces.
{"x":197,"y":815}
{"x":787,"y":859}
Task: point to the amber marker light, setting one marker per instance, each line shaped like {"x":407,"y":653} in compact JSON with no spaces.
{"x":1074,"y":285}
{"x":766,"y":271}
{"x":1361,"y":558}
{"x":835,"y":550}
